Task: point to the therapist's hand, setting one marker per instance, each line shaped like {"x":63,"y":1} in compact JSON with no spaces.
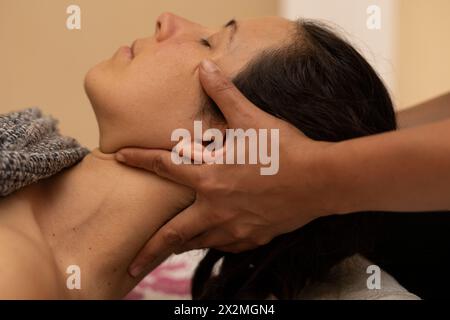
{"x":236,"y":208}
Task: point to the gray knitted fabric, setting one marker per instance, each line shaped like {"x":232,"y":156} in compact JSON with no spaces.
{"x":31,"y":148}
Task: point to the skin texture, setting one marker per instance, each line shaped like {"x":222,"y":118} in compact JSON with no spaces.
{"x":100,"y":213}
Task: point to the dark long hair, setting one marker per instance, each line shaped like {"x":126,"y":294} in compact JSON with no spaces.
{"x":324,"y":87}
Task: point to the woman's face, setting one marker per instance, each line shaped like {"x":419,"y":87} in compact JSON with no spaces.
{"x":141,"y":96}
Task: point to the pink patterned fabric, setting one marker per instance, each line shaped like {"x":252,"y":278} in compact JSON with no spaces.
{"x":171,"y":280}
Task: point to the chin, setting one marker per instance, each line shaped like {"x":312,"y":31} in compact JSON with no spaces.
{"x":96,"y":80}
{"x":91,"y":80}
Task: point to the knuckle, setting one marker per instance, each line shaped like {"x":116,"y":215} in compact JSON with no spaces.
{"x":172,"y":237}
{"x":214,"y":184}
{"x":148,"y":255}
{"x":216,"y":217}
{"x":207,"y":184}
{"x":158,"y":164}
{"x":260,"y":241}
{"x":223,"y":217}
{"x":235,"y":214}
{"x":247,"y":116}
{"x":222,"y":187}
{"x":222,"y":84}
{"x":133,"y":158}
{"x":240,"y":233}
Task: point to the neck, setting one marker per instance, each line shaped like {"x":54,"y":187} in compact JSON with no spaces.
{"x":98,"y":215}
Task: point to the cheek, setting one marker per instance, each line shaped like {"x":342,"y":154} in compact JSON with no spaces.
{"x":163,"y":82}
{"x":144,"y":103}
{"x":151,"y":115}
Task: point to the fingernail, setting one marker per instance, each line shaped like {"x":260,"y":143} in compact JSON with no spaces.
{"x":209,"y":66}
{"x":120,"y":157}
{"x":136,"y":270}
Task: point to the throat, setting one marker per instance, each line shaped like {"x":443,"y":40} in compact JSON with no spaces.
{"x":68,"y":200}
{"x":98,"y":214}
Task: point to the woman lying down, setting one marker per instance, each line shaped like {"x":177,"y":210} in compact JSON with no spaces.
{"x":97,"y":214}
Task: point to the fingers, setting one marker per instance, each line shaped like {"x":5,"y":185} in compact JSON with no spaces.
{"x":214,"y":238}
{"x":160,"y":162}
{"x":229,"y":99}
{"x":177,"y":232}
{"x":223,"y":240}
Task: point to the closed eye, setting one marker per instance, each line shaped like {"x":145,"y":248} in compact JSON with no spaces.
{"x":205,"y":42}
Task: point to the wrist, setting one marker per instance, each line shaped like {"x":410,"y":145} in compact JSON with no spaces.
{"x":332,"y":167}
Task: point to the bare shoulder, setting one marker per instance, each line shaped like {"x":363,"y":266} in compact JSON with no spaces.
{"x":26,"y":269}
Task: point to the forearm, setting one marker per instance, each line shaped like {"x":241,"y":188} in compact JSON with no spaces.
{"x":407,"y":170}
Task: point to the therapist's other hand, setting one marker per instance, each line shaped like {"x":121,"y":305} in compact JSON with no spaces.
{"x":236,"y":208}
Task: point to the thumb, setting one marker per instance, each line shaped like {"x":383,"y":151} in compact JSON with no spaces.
{"x":160,"y":162}
{"x":236,"y":108}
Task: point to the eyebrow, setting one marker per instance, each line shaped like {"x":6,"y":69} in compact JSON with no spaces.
{"x":234,"y":28}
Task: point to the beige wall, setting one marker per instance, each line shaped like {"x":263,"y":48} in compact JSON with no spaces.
{"x":43,"y":64}
{"x":423,"y":51}
{"x":412,"y":49}
{"x":350,"y":19}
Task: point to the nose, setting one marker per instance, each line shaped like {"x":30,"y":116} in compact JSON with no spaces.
{"x":169,"y":25}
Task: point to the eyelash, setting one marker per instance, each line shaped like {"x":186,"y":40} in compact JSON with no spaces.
{"x":205,"y":42}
